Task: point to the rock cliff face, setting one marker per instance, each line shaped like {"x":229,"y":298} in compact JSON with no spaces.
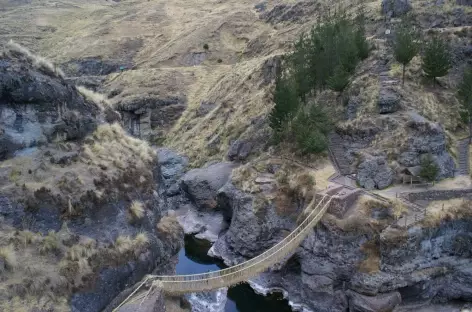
{"x":80,"y":200}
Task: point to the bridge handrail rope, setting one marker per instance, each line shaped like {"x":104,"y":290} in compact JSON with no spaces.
{"x":270,"y":251}
{"x":245,"y":265}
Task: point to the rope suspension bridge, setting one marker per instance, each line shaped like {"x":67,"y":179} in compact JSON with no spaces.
{"x":178,"y":284}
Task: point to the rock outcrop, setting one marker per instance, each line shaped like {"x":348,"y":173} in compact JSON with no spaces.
{"x":37,"y":106}
{"x":388,"y":101}
{"x":395,"y":8}
{"x":423,"y":138}
{"x":148,"y":116}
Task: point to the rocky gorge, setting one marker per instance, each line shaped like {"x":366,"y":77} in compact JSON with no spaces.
{"x":362,"y":266}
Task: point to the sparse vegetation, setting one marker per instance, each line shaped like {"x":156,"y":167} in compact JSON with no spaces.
{"x":371,"y":263}
{"x":436,"y":58}
{"x":406,"y":45}
{"x":455,"y":209}
{"x":38,"y":62}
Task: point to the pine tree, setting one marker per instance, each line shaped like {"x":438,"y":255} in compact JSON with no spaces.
{"x":298,"y":63}
{"x":436,"y":59}
{"x":405,"y":46}
{"x":464,"y":94}
{"x":286,"y":104}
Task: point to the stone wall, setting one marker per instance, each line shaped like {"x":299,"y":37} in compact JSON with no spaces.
{"x":438,"y":194}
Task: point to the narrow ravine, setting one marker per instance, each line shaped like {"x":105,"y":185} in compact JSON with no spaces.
{"x":241,"y":298}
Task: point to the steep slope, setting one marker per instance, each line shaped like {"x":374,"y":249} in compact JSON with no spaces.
{"x":71,"y":224}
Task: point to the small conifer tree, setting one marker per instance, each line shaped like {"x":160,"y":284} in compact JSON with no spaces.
{"x":436,"y":59}
{"x":286,"y":104}
{"x":405,"y":46}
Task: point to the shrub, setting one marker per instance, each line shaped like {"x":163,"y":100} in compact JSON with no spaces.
{"x":169,"y":227}
{"x":220,"y":61}
{"x":206,"y":47}
{"x":141,"y":239}
{"x":429,"y":169}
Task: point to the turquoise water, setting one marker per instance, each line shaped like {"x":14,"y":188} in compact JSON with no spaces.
{"x":194,"y":259}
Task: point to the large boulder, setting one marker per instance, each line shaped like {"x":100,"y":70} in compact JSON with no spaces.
{"x":395,"y":8}
{"x":202,"y":184}
{"x":374,"y":173}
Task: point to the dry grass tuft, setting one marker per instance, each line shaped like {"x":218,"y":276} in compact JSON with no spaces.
{"x":169,"y":227}
{"x":26,"y":237}
{"x":136,"y":210}
{"x":449,"y":210}
{"x":112,"y":143}
{"x":367,"y":204}
{"x":8,"y":255}
{"x":398,"y":208}
{"x":141,"y":239}
{"x":356,"y":224}
{"x":49,"y":243}
{"x":94,"y":97}
{"x":123,"y":244}
{"x":39,"y":62}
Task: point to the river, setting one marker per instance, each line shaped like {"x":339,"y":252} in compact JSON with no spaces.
{"x":241,"y":298}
